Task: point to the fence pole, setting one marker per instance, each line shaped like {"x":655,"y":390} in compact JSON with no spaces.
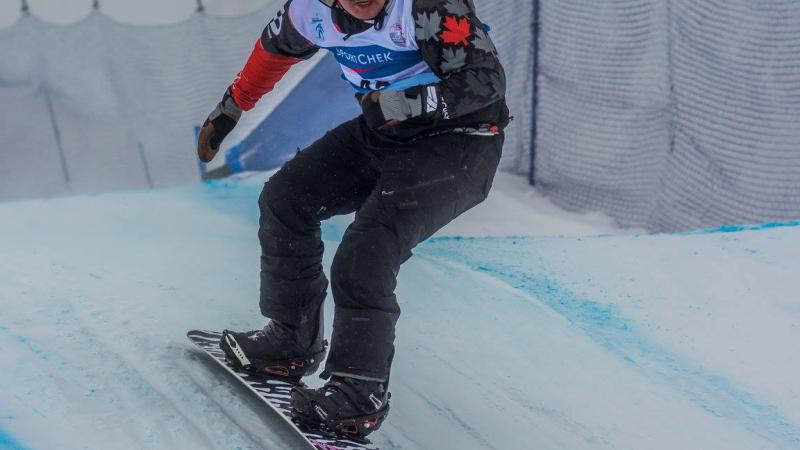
{"x":534,"y":91}
{"x":145,"y":165}
{"x":57,"y":136}
{"x":200,"y":7}
{"x":25,"y":9}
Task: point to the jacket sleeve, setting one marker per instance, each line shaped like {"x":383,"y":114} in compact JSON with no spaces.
{"x":279,"y":48}
{"x":457,"y":47}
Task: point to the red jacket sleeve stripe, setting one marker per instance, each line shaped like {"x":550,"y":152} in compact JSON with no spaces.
{"x":260,"y":74}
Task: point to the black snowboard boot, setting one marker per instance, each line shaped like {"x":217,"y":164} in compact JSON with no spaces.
{"x":277,"y":350}
{"x":344,"y":406}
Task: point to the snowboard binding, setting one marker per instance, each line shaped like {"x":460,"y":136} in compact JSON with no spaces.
{"x":356,"y":428}
{"x":291,"y":369}
{"x":343,"y":407}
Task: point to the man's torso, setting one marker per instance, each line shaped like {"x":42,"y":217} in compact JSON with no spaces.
{"x":385,"y":57}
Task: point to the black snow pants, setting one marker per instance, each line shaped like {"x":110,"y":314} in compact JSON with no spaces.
{"x":401,"y":193}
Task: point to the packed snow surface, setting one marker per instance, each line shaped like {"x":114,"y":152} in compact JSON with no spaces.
{"x":523,"y":327}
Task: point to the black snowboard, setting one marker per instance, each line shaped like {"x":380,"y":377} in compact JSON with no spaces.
{"x":275,"y":393}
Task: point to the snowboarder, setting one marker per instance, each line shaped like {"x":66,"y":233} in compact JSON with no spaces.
{"x":425,"y":150}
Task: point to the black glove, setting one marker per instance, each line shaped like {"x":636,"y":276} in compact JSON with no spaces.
{"x":219,"y":124}
{"x":388,"y":108}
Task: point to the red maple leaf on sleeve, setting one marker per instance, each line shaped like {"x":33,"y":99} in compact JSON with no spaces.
{"x":456,"y":31}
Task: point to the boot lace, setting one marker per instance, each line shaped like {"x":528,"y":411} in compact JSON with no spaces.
{"x":276,"y":332}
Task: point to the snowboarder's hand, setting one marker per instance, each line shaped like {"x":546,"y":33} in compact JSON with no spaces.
{"x":219,"y":124}
{"x":388,"y":108}
{"x":371,"y":107}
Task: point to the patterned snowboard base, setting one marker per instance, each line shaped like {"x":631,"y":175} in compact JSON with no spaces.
{"x":275,"y":393}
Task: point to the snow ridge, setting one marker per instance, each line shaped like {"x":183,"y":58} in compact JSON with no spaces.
{"x":606,"y":325}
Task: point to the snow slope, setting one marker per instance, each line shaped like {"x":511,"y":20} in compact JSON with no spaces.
{"x":557,"y":339}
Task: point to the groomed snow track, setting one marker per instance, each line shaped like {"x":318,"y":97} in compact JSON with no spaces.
{"x":673,"y":341}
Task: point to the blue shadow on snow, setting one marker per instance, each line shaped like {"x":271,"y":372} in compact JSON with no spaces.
{"x":7,"y":442}
{"x":606,"y":325}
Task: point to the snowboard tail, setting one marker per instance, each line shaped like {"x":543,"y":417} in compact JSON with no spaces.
{"x":275,"y":393}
